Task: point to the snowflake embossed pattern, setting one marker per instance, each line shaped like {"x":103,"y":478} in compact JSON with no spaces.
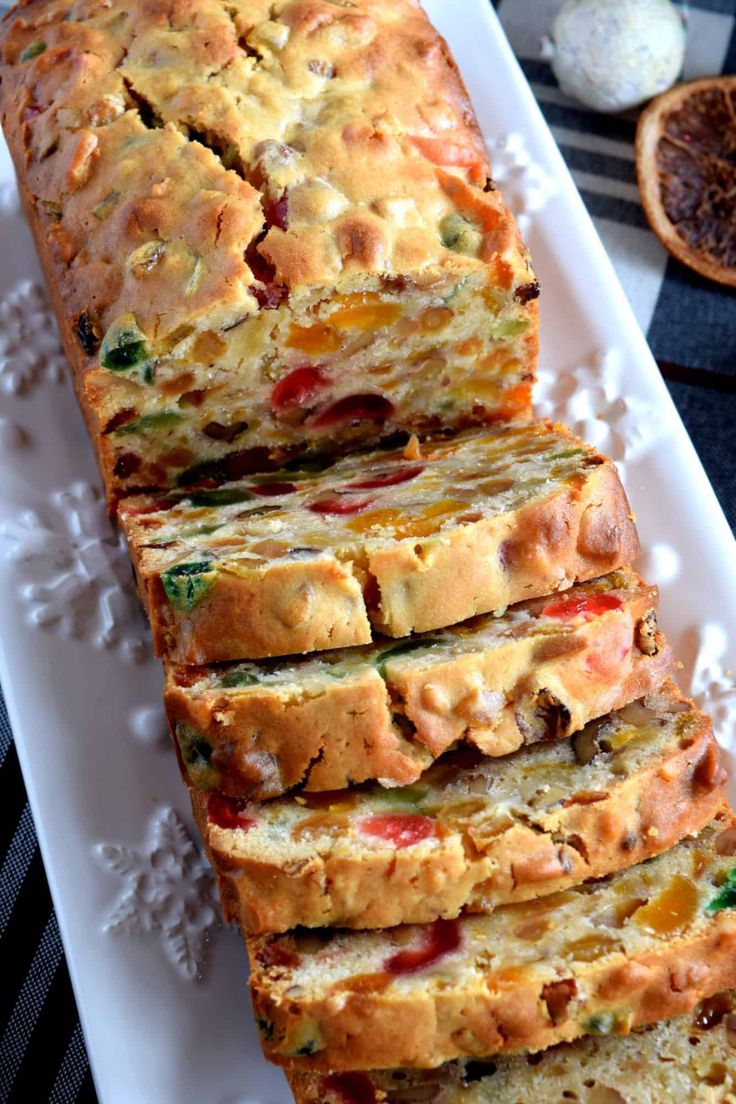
{"x":593,"y":401}
{"x":169,"y":890}
{"x":29,"y":340}
{"x":76,"y":575}
{"x":713,"y":680}
{"x":12,"y":435}
{"x":526,"y":187}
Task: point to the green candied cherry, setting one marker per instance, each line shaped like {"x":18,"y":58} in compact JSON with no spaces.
{"x":307,"y":464}
{"x":197,"y":752}
{"x":606,"y":1023}
{"x":265,"y":1027}
{"x":726,"y":896}
{"x":33,"y":50}
{"x":402,"y":797}
{"x":186,"y":584}
{"x":161,"y":419}
{"x":105,"y":207}
{"x":510,"y":328}
{"x":404,"y":648}
{"x":306,"y":1040}
{"x":225,"y":496}
{"x":124,"y":346}
{"x":460,"y":235}
{"x":566,"y":454}
{"x":237,"y":677}
{"x":455,"y":290}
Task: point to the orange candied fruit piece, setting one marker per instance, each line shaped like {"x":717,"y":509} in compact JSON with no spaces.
{"x":470,"y":347}
{"x":364,"y":311}
{"x":671,"y":910}
{"x":313,"y":339}
{"x":435,"y":318}
{"x":507,"y":977}
{"x":208,"y":347}
{"x":501,"y":360}
{"x":425,"y":524}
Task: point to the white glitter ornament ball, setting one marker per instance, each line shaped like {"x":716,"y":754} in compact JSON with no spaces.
{"x":614,"y":54}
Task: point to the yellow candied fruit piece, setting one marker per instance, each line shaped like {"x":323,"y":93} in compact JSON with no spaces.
{"x":621,"y":737}
{"x":424,"y":525}
{"x":500,"y":360}
{"x":329,"y":823}
{"x":495,"y":299}
{"x":508,"y":977}
{"x":592,"y":946}
{"x":435,"y":318}
{"x":671,"y":910}
{"x":471,"y":346}
{"x":364,"y":311}
{"x":313,"y":339}
{"x":208,"y":347}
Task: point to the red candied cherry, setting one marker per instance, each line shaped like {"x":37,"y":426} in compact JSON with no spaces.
{"x":342,"y":504}
{"x":273,"y":490}
{"x":439,"y":939}
{"x":277,"y":212}
{"x":401,"y":829}
{"x":356,"y":408}
{"x":298,"y":387}
{"x":350,"y":1088}
{"x":590,"y":605}
{"x":227,"y":812}
{"x":388,"y":479}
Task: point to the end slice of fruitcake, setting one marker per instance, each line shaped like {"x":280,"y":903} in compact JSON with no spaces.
{"x":399,"y":541}
{"x":539,"y":671}
{"x":691,"y":1060}
{"x":266,"y":228}
{"x":473,"y":832}
{"x":644,"y":944}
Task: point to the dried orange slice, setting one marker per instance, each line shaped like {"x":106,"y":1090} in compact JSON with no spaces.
{"x":686,"y":165}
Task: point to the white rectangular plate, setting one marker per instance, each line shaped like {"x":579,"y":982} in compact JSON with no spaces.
{"x":84,"y":692}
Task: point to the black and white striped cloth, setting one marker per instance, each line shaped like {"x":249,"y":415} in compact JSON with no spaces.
{"x":691,"y":327}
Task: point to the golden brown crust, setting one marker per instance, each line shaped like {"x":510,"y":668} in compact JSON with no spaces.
{"x":577,"y":534}
{"x":685,"y":1059}
{"x":390,"y":723}
{"x":369,"y":572}
{"x":344,"y":883}
{"x":424,"y":1031}
{"x":225,"y":177}
{"x":486,"y":1003}
{"x":281,"y":610}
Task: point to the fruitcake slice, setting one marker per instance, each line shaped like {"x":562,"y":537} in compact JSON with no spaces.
{"x":539,"y":671}
{"x":473,"y":833}
{"x":404,"y":540}
{"x":688,"y":1060}
{"x":642,"y":945}
{"x":267,"y":228}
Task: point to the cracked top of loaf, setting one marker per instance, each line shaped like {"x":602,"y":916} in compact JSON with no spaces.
{"x":186,"y":157}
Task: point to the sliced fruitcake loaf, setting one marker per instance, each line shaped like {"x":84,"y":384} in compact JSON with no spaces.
{"x":688,"y":1060}
{"x":473,"y":832}
{"x":405,"y":540}
{"x":539,"y":671}
{"x":267,"y":228}
{"x":642,"y":945}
